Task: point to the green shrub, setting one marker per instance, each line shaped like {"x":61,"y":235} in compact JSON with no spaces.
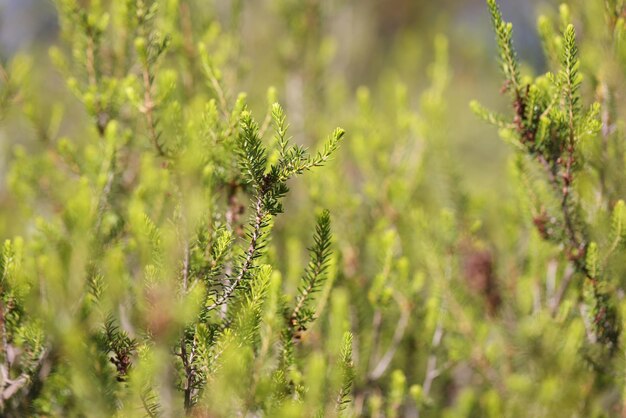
{"x":142,"y":283}
{"x":157,"y":262}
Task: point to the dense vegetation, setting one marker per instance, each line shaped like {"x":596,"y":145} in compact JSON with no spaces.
{"x":156,"y":262}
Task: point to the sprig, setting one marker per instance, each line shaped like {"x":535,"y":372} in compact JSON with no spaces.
{"x":508,"y":56}
{"x":314,"y":274}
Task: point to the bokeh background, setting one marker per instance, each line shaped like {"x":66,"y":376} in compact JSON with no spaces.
{"x":367,"y":40}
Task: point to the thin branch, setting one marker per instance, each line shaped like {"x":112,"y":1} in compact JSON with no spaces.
{"x":190,"y":372}
{"x":217,"y":88}
{"x":259,"y":214}
{"x":385,"y":360}
{"x":148,"y":108}
{"x":563,"y":190}
{"x":316,"y":275}
{"x":12,"y":386}
{"x":432,"y":372}
{"x":558,"y":297}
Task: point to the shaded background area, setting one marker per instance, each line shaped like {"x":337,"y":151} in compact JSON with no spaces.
{"x":24,"y":23}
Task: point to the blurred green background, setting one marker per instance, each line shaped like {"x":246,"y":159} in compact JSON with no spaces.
{"x":364,"y":42}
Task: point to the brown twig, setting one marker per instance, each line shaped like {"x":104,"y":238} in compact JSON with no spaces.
{"x":190,"y":373}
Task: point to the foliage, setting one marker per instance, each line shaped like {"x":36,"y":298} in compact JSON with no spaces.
{"x":156,"y":261}
{"x":143,"y":284}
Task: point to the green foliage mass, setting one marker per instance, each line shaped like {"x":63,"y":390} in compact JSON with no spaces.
{"x":156,"y":261}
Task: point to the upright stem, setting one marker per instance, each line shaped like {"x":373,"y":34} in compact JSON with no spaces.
{"x":259,"y":214}
{"x":431,"y":366}
{"x":383,"y":363}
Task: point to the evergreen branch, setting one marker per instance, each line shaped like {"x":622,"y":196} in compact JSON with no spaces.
{"x":280,"y":127}
{"x":330,"y":146}
{"x":571,"y":84}
{"x":576,"y":245}
{"x":252,"y":153}
{"x":549,"y":133}
{"x":601,"y":316}
{"x":270,"y":188}
{"x":315,"y":271}
{"x":490,"y":117}
{"x":296,"y":161}
{"x":570,"y":79}
{"x":150,"y":403}
{"x":508,"y":56}
{"x":121,"y":345}
{"x":249,"y":315}
{"x":258,"y":223}
{"x":347,"y":373}
{"x":527,"y":126}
